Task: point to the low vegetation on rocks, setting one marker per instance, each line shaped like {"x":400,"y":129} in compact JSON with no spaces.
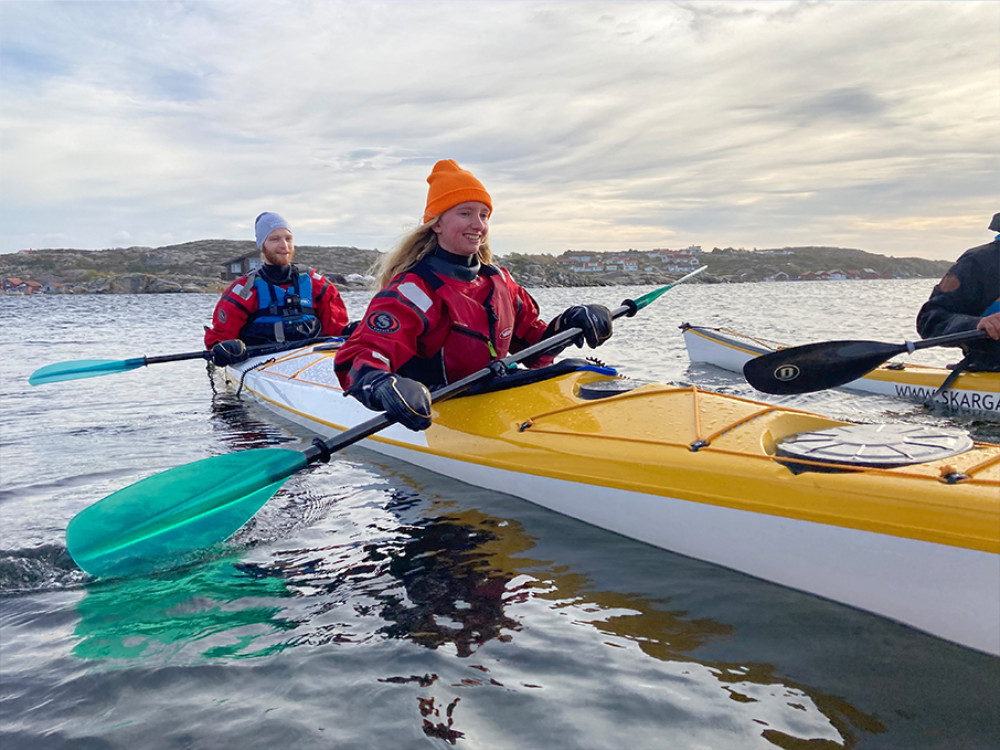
{"x":198,"y":266}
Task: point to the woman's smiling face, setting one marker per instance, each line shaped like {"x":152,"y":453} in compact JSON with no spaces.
{"x":462,"y":228}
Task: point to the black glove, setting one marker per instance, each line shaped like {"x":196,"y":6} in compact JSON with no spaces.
{"x":405,"y":401}
{"x":593,"y":320}
{"x":349,"y":329}
{"x":228,"y":352}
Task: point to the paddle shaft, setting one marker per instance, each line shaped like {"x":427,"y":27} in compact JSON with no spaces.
{"x":92,"y":368}
{"x":252,"y":351}
{"x":946,"y":340}
{"x":322,"y":449}
{"x":173,"y":358}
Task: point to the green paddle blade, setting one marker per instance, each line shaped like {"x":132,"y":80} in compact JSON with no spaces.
{"x":166,"y":518}
{"x":83,"y":368}
{"x":648,"y":297}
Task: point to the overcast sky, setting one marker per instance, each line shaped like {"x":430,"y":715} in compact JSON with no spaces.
{"x":594,"y":125}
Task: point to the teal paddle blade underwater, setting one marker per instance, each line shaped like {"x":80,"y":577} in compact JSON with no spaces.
{"x":171,"y":515}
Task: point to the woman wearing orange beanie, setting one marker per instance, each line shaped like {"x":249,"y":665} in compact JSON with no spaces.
{"x":444,"y":310}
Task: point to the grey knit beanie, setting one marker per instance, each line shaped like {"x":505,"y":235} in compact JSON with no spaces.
{"x":266,"y":223}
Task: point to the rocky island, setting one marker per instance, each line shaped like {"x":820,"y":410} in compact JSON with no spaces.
{"x":202,"y":266}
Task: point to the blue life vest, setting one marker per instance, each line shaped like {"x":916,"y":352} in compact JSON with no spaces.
{"x":282,"y":314}
{"x":994,"y":308}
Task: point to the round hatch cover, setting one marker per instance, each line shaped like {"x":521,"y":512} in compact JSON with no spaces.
{"x":877,"y":445}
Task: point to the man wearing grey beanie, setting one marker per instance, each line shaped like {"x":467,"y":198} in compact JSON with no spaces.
{"x":278,"y":302}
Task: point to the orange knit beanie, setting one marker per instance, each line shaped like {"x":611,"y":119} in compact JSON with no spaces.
{"x":451,"y":185}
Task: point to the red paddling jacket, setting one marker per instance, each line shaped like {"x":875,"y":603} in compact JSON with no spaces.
{"x":441,"y":321}
{"x":259,"y":308}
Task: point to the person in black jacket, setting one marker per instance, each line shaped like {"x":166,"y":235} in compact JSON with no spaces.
{"x":967,"y":298}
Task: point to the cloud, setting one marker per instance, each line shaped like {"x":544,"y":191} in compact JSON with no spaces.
{"x":595,"y":125}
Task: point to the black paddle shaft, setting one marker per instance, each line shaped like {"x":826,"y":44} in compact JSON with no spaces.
{"x":252,"y":351}
{"x":322,"y":449}
{"x":828,"y":364}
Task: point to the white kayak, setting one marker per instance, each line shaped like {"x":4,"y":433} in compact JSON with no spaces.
{"x":904,"y":526}
{"x":977,"y":392}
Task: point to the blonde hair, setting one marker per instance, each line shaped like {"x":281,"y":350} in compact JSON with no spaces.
{"x":412,"y":248}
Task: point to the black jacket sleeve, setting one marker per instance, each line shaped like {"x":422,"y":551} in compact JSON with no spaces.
{"x":964,"y":294}
{"x":960,"y":299}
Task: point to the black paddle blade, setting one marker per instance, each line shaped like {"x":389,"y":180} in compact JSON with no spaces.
{"x":816,"y":367}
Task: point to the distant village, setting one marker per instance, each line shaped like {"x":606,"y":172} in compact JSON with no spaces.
{"x":683,"y":261}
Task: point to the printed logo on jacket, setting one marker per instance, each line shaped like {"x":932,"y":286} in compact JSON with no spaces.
{"x":382,"y":322}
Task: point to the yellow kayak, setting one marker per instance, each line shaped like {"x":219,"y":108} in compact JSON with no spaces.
{"x":900,"y":521}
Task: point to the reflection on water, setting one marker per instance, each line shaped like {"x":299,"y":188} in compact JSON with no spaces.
{"x":671,"y":637}
{"x":212,"y":607}
{"x":239,"y":429}
{"x":454,"y":579}
{"x":455,"y":593}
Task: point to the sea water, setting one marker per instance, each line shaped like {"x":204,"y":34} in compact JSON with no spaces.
{"x":371,"y":604}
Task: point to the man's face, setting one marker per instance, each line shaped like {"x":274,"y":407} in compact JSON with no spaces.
{"x":278,"y":247}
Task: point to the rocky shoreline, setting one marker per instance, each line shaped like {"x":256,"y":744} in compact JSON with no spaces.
{"x":144,"y":283}
{"x":198,"y":267}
